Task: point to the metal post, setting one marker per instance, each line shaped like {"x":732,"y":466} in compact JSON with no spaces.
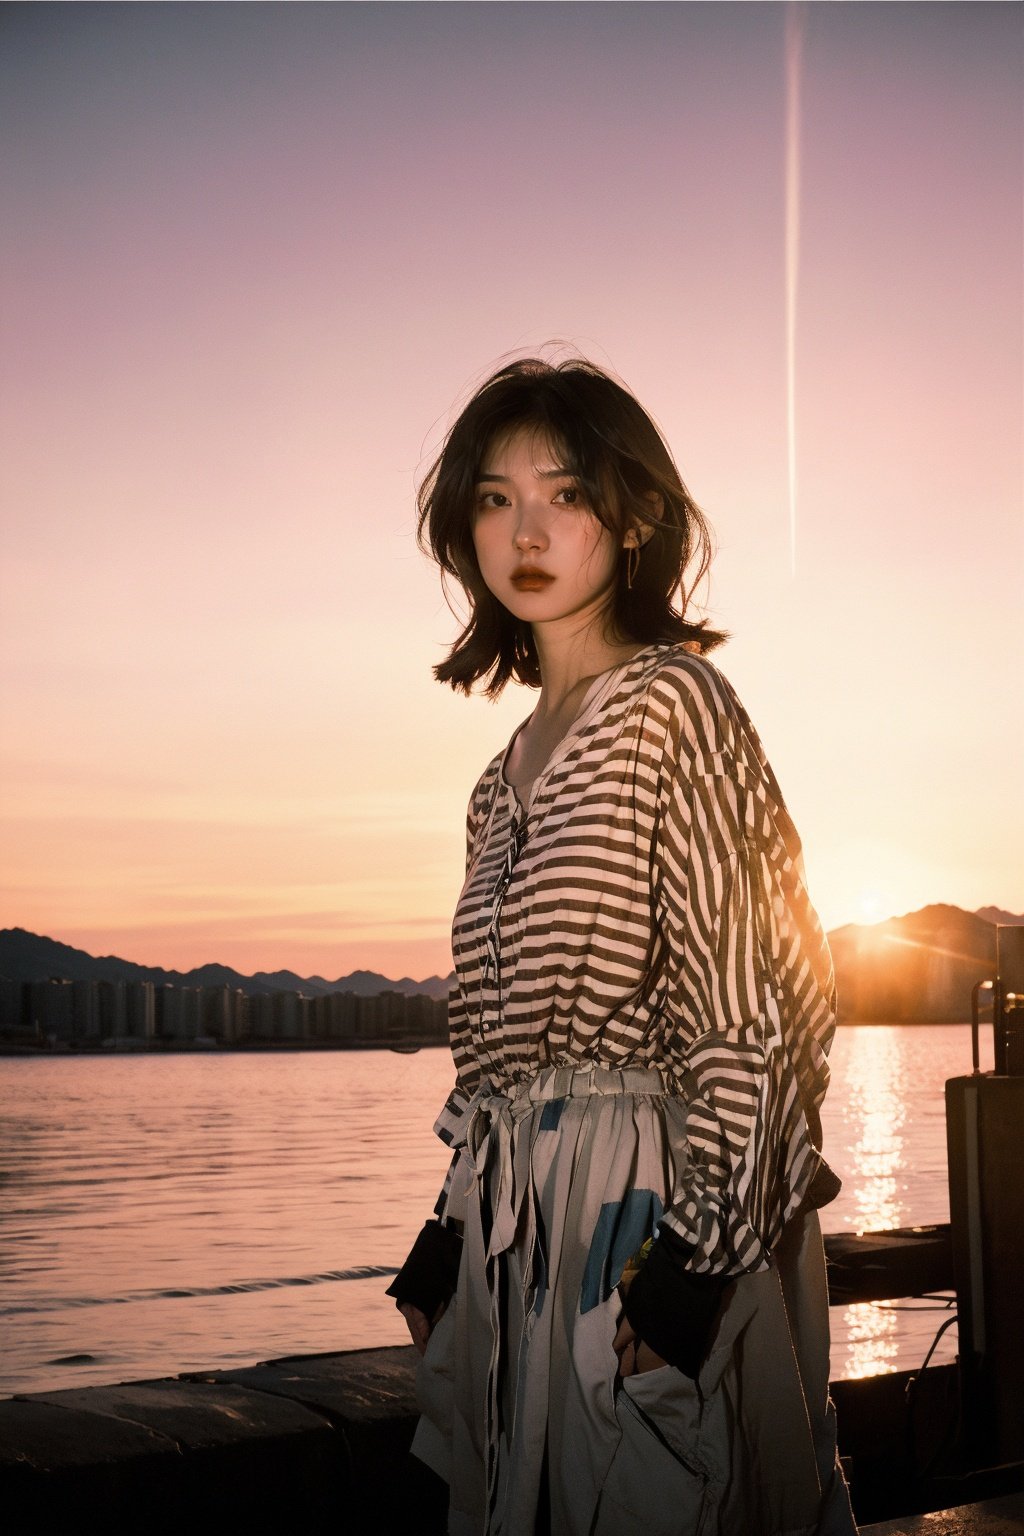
{"x":976,"y":991}
{"x":1008,"y":1000}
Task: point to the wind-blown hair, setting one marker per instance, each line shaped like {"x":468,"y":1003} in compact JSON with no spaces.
{"x":612,"y":447}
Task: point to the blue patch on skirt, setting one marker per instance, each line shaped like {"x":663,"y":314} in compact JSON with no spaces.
{"x":551,"y":1114}
{"x":622,"y":1227}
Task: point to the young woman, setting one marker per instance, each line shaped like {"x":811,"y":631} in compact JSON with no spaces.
{"x":621,"y":1303}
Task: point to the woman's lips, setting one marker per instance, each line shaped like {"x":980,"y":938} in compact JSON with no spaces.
{"x":531,"y":580}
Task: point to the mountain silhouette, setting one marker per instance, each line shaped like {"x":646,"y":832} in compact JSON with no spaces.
{"x":28,"y":956}
{"x":919,"y":967}
{"x":997,"y":915}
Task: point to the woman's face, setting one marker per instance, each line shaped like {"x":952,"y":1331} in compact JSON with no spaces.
{"x":542,"y":552}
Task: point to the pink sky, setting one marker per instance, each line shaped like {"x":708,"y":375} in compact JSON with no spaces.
{"x":252,"y":256}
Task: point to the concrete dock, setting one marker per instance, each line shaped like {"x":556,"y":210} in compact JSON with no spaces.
{"x":311,"y":1444}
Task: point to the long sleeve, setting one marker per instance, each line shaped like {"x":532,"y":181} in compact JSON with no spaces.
{"x":754,"y":996}
{"x":447,"y":1126}
{"x":429,"y":1275}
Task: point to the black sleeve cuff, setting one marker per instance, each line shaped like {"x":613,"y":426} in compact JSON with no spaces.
{"x":430,"y":1274}
{"x":824,"y":1186}
{"x":672,"y":1309}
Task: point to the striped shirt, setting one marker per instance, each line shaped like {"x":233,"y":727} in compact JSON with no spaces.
{"x":648,"y":908}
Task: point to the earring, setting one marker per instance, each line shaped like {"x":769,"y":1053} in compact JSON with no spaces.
{"x":632,"y":559}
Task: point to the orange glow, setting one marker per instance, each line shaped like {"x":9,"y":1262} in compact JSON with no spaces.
{"x":247,"y":298}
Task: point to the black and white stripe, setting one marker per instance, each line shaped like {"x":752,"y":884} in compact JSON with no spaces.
{"x":650,"y":910}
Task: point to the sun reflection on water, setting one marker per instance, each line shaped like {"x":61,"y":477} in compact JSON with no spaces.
{"x":871,"y":1342}
{"x":877,"y":1112}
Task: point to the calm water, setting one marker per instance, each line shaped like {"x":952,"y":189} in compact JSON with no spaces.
{"x":168,"y":1213}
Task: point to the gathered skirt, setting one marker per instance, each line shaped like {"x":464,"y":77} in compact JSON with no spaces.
{"x":523,"y":1412}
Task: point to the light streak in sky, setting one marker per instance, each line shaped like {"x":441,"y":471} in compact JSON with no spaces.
{"x":794,"y":53}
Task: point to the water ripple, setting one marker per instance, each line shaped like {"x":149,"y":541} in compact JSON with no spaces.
{"x":234,"y":1288}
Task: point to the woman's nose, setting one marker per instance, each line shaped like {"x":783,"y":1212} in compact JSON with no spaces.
{"x":529,"y":533}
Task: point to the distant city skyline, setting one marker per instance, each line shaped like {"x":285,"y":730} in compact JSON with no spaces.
{"x":96,"y":1014}
{"x":253,"y":256}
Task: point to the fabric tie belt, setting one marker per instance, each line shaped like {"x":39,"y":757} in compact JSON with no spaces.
{"x":492,"y":1117}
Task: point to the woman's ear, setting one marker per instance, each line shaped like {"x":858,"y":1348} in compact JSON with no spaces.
{"x":641,"y":532}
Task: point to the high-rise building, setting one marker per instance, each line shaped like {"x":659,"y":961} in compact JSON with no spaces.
{"x":286,"y":1016}
{"x":50,"y":1008}
{"x":85,"y":1004}
{"x":261,"y":1017}
{"x":140,"y":1010}
{"x":12,"y":1012}
{"x":113,"y":1009}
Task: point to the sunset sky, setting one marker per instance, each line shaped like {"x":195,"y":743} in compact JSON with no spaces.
{"x":254,"y":255}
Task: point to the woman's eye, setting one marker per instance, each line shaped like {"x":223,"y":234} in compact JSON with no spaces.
{"x":492,"y":499}
{"x":570,"y":496}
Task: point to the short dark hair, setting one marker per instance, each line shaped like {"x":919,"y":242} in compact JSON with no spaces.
{"x":610,"y":444}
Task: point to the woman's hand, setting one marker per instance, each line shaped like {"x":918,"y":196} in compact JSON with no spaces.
{"x":634,"y":1355}
{"x":419,"y":1326}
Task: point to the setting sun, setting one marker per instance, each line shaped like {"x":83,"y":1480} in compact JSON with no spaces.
{"x":872,"y":907}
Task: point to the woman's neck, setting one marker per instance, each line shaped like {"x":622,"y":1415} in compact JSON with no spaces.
{"x":569,"y":658}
